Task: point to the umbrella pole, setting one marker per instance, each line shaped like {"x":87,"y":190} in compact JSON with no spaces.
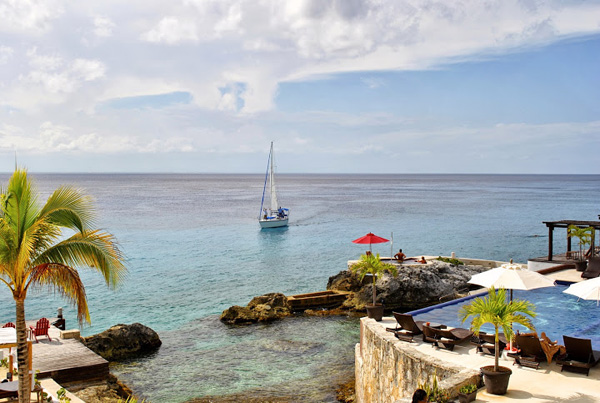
{"x":510,"y":345}
{"x":392,"y":246}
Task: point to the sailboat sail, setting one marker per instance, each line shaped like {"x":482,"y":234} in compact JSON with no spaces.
{"x":275,"y":216}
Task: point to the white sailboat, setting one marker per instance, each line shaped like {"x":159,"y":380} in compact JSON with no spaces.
{"x":274,"y":216}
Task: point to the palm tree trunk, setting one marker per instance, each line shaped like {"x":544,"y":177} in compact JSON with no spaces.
{"x":374,"y":290}
{"x":496,"y":351}
{"x":22,"y":354}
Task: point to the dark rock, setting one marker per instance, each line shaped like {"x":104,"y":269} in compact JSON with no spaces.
{"x":123,"y":341}
{"x":415,"y":287}
{"x":265,"y":308}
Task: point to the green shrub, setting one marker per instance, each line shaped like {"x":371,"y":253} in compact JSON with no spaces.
{"x":434,"y":392}
{"x":455,"y":262}
{"x":470,"y":388}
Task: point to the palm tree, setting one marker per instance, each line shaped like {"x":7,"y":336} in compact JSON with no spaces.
{"x":371,"y":264}
{"x":34,"y":253}
{"x":584,"y":235}
{"x":501,"y":314}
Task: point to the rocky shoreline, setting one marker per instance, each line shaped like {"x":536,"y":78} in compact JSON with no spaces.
{"x":415,"y":287}
{"x":118,"y":343}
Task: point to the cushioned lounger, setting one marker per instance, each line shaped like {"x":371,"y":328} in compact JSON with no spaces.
{"x":406,"y":326}
{"x":448,"y":338}
{"x":530,"y":352}
{"x":579,"y":357}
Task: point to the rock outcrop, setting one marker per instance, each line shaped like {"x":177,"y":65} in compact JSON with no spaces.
{"x":123,"y":341}
{"x":265,"y":308}
{"x":416,"y":286}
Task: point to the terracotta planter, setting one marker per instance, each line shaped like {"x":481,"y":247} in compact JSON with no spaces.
{"x":375,"y":312}
{"x":496,"y":383}
{"x":467,"y":397}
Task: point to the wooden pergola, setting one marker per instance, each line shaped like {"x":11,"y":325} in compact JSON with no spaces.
{"x":565,"y":224}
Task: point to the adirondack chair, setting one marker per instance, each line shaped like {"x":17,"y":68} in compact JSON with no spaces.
{"x":41,"y":329}
{"x":8,"y":324}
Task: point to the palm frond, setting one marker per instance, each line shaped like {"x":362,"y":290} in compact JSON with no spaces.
{"x":94,"y":249}
{"x":68,"y":207}
{"x":66,"y":281}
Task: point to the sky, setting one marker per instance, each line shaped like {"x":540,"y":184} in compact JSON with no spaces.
{"x":340,"y":86}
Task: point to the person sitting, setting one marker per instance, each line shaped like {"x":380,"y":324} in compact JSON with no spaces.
{"x":400,"y":256}
{"x":420,"y":396}
{"x":368,"y":253}
{"x":422,"y":260}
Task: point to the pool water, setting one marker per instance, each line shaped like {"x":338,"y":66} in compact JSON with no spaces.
{"x":557,"y":314}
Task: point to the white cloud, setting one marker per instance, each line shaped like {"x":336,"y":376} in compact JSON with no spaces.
{"x":29,"y":16}
{"x":5,"y":54}
{"x":103,"y":26}
{"x":172,"y":30}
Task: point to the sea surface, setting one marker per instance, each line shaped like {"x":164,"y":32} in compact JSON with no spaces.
{"x":194,"y":248}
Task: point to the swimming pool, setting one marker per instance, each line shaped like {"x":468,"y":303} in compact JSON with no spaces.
{"x":558,"y":314}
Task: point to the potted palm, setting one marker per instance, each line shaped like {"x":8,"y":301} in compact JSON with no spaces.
{"x":584,"y":236}
{"x":495,"y":309}
{"x":371,"y":264}
{"x":467,"y":393}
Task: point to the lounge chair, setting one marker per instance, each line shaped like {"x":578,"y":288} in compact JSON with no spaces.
{"x":448,"y":338}
{"x":406,"y":326}
{"x":485,"y":342}
{"x":9,"y":389}
{"x":529,"y":353}
{"x":579,"y":357}
{"x":41,"y":329}
{"x":593,"y":268}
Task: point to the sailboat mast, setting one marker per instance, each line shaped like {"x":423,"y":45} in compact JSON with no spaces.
{"x":274,"y":201}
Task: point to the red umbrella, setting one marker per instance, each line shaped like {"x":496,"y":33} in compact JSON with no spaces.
{"x":370,"y":238}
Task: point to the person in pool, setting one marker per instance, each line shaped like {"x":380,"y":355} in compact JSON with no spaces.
{"x":400,"y":256}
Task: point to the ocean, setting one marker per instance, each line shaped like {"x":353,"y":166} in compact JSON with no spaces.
{"x":194,"y":247}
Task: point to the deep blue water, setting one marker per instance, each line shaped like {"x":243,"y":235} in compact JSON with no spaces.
{"x":194,"y":248}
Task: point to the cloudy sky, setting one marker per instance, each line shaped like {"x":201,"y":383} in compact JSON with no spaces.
{"x":465,"y":86}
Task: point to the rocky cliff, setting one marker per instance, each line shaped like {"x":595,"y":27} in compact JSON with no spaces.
{"x":416,"y":286}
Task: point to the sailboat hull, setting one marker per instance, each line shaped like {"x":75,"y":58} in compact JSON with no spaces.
{"x":273,"y":223}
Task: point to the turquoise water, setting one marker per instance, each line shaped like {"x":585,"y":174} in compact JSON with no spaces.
{"x":194,"y":248}
{"x":557,"y":314}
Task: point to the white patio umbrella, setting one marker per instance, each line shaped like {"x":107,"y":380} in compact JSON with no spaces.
{"x":511,"y":276}
{"x":588,"y":289}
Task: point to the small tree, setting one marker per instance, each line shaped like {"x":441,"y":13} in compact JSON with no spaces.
{"x":496,"y":310}
{"x":583,"y":235}
{"x":371,"y":264}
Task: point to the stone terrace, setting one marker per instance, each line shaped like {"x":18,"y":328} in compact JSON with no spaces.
{"x":389,"y":370}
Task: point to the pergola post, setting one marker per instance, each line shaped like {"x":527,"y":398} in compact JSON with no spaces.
{"x":550,"y":241}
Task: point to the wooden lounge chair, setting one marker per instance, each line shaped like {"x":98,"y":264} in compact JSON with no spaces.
{"x":485,"y":342}
{"x":593,"y":268}
{"x":41,"y":329}
{"x":529,"y":353}
{"x":406,"y":326}
{"x":9,"y":390}
{"x":448,"y":338}
{"x":579,"y":357}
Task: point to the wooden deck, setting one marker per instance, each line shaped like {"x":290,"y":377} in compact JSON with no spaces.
{"x":67,"y":360}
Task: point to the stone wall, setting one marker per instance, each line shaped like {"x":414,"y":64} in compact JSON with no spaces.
{"x":388,"y":370}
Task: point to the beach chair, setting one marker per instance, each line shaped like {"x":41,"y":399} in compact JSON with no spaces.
{"x":41,"y":329}
{"x":593,"y":268}
{"x":9,"y":324}
{"x":579,"y":357}
{"x":530,"y":353}
{"x":485,"y":342}
{"x":406,"y":326}
{"x":448,"y":338}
